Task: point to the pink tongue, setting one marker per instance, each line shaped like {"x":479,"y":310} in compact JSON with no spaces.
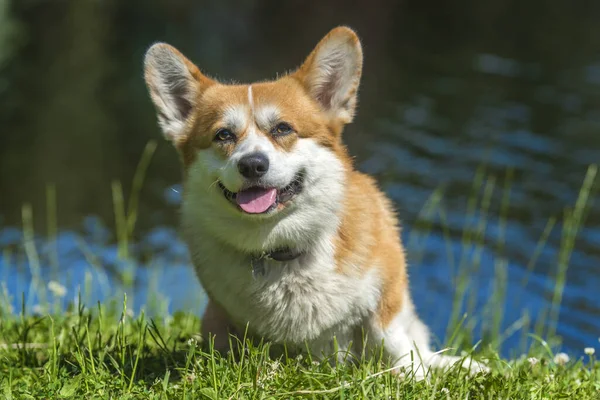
{"x":256,"y":200}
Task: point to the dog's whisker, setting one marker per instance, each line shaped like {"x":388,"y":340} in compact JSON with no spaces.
{"x":215,"y":183}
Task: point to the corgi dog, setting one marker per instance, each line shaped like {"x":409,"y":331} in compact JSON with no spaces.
{"x":290,"y":242}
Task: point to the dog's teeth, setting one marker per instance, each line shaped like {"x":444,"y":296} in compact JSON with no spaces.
{"x":284,"y":196}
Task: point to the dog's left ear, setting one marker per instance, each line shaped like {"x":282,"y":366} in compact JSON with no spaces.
{"x":331,"y":73}
{"x":175,"y":84}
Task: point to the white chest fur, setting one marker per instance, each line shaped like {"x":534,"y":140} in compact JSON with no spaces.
{"x":305,"y":299}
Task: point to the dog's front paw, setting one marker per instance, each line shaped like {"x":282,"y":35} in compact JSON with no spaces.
{"x":468,"y":363}
{"x":417,"y":372}
{"x":475,"y":367}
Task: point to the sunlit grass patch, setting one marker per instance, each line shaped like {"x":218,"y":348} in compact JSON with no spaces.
{"x":99,"y":352}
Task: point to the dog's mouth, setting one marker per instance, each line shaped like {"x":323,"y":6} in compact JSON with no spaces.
{"x":262,"y":199}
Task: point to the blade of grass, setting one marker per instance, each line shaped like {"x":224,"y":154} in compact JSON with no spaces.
{"x":572,"y":224}
{"x":52,"y":228}
{"x":136,"y":185}
{"x":33,"y":257}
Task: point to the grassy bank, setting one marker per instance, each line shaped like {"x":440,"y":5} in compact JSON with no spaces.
{"x":100,"y":353}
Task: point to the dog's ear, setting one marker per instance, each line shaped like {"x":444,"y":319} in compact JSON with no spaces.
{"x":331,"y":73}
{"x":175,"y":84}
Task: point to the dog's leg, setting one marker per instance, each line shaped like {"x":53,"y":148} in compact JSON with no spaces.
{"x":216,"y":324}
{"x":405,"y":341}
{"x":399,"y":346}
{"x":419,"y":333}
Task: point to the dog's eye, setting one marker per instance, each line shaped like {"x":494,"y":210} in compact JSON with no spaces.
{"x":282,"y":129}
{"x":224,"y":135}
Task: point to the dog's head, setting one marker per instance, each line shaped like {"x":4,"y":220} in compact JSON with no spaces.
{"x":266,"y":151}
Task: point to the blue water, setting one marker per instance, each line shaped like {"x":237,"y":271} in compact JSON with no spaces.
{"x":89,"y":262}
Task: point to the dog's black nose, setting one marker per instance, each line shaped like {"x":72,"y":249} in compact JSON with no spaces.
{"x":253,"y":165}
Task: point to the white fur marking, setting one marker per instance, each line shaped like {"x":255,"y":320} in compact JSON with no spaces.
{"x":266,"y":116}
{"x":250,"y":99}
{"x":254,"y":141}
{"x":235,"y":117}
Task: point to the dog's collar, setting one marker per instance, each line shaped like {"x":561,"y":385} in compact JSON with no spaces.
{"x":284,"y":254}
{"x":281,"y":255}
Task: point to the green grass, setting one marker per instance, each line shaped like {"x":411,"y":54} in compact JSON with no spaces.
{"x":104,"y":352}
{"x":98,"y":353}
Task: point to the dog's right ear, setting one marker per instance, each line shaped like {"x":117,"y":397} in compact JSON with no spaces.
{"x":175,"y":84}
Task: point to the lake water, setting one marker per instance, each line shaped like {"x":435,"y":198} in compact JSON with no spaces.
{"x":449,"y":95}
